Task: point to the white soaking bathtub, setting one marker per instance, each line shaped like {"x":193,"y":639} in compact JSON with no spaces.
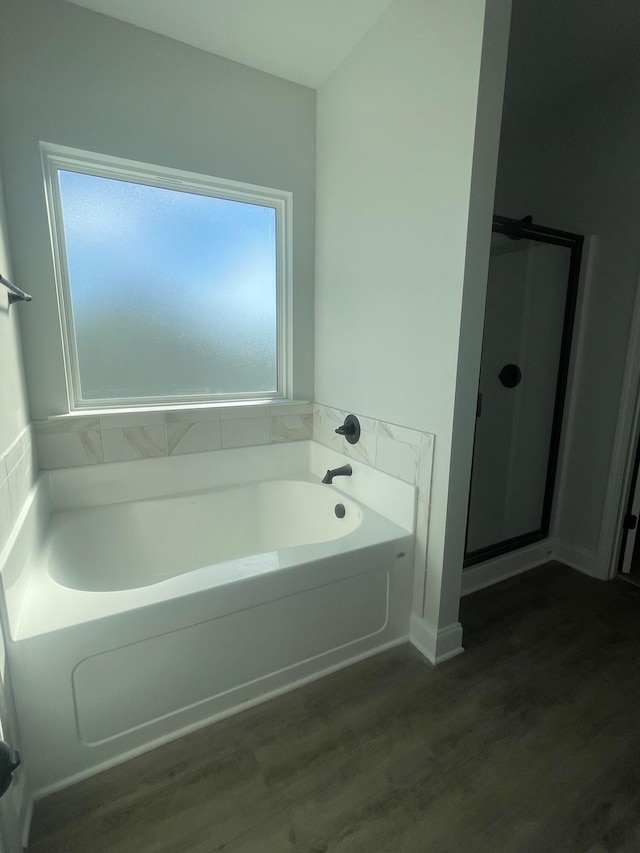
{"x":140,"y":543}
{"x":148,"y":598}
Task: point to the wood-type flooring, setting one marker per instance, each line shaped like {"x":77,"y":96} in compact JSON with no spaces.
{"x":528,"y":742}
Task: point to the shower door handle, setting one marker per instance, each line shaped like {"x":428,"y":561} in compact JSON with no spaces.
{"x":510,"y":375}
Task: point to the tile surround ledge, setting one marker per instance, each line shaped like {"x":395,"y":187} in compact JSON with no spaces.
{"x":18,"y":470}
{"x":402,"y":452}
{"x":408,"y":455}
{"x":89,"y":438}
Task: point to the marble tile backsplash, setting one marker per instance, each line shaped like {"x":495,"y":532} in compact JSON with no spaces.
{"x":69,"y":441}
{"x":396,"y":450}
{"x":77,"y":440}
{"x":18,"y":470}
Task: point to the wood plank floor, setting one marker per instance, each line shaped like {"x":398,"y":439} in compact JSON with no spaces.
{"x":528,"y":742}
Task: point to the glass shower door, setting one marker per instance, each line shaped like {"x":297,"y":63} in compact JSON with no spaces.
{"x":529,"y":312}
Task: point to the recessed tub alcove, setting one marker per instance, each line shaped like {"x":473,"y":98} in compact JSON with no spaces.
{"x":147,"y":598}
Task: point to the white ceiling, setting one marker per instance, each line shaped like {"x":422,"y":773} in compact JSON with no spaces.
{"x":557,"y":47}
{"x":300,"y":40}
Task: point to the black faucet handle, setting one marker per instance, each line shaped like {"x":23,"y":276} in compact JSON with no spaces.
{"x":350,"y":429}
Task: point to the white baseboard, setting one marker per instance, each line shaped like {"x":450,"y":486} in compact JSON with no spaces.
{"x":507,"y":566}
{"x":436,"y":645}
{"x":578,"y":558}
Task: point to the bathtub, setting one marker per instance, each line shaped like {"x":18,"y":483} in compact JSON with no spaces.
{"x":145,"y":599}
{"x":240,"y":530}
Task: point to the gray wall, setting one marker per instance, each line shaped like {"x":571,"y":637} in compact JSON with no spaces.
{"x":578,"y":169}
{"x":77,"y":78}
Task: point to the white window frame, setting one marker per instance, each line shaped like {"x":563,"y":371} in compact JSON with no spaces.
{"x":57,"y":157}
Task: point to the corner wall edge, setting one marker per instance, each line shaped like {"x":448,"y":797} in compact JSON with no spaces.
{"x":436,"y":645}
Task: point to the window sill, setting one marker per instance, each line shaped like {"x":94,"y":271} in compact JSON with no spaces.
{"x":179,"y":407}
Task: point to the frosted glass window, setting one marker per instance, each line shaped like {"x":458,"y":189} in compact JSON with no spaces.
{"x":169,"y":294}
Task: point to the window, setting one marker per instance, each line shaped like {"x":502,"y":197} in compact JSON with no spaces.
{"x":172,"y":286}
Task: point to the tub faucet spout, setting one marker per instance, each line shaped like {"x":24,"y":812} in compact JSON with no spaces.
{"x":344,"y":471}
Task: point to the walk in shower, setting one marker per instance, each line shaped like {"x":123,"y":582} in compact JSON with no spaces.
{"x":530,"y":307}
